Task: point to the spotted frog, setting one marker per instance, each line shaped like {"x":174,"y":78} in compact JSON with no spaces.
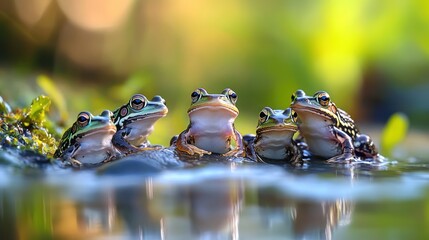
{"x":135,"y":122}
{"x":330,"y":132}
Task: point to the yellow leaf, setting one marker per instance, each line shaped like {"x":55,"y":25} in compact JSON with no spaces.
{"x":394,"y":132}
{"x":55,"y":94}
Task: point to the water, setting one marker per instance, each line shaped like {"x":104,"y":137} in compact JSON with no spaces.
{"x":219,"y":201}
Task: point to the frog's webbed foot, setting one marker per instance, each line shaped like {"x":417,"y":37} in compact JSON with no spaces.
{"x":378,"y":158}
{"x":68,"y":154}
{"x":346,"y":157}
{"x":237,"y":152}
{"x":183,"y":146}
{"x":191,"y":150}
{"x":131,"y":149}
{"x":155,"y":146}
{"x":147,"y":146}
{"x":75,"y":163}
{"x":150,"y":147}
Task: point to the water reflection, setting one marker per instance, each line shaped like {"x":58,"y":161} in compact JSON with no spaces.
{"x":208,"y":208}
{"x":84,"y":218}
{"x":199,"y":203}
{"x":214,"y":207}
{"x":304,"y":218}
{"x":133,"y":204}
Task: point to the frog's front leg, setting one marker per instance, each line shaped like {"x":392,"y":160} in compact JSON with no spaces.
{"x":347,"y":146}
{"x":69,"y":153}
{"x":248,"y":142}
{"x":295,"y":154}
{"x":365,"y":148}
{"x":238,"y":151}
{"x":121,"y":143}
{"x":147,"y":146}
{"x":183,"y":146}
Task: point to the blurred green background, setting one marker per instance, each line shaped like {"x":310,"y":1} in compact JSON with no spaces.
{"x":371,"y":56}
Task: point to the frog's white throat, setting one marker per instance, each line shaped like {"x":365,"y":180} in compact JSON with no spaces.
{"x":141,"y":129}
{"x":212,"y":127}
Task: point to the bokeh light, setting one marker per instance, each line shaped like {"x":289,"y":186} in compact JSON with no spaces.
{"x":371,"y":56}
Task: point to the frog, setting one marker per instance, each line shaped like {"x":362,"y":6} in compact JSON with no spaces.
{"x":329,"y":131}
{"x":135,"y":121}
{"x":88,"y":141}
{"x":211,"y":127}
{"x":274,"y":140}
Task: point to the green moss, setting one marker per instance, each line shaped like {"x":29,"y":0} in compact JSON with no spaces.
{"x":28,"y":128}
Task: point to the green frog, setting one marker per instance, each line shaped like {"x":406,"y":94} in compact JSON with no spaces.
{"x":135,"y":122}
{"x":274,"y":141}
{"x":330,"y":132}
{"x":211,"y":128}
{"x":89,"y":140}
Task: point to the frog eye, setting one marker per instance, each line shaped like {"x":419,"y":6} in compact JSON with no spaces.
{"x":287,"y":112}
{"x":196,"y":95}
{"x":297,"y":94}
{"x":294,"y":116}
{"x":138,"y":102}
{"x":83,"y":119}
{"x":263,"y":115}
{"x":107,"y":113}
{"x":232,"y":96}
{"x":323,"y":99}
{"x":158,"y":98}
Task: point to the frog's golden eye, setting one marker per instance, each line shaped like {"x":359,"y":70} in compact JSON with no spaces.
{"x":263,"y":115}
{"x":323,"y":99}
{"x":138,"y":102}
{"x":232,"y":96}
{"x":83,"y":119}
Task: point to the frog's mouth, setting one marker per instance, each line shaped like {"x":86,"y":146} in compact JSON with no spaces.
{"x":147,"y":116}
{"x":303,"y":109}
{"x":215,"y":108}
{"x":277,"y":128}
{"x":106,"y":129}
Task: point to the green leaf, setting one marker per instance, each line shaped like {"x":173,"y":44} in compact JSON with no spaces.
{"x":54,"y":93}
{"x":38,"y":108}
{"x":394,"y":132}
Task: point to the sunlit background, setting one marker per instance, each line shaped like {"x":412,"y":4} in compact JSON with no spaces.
{"x":371,"y":56}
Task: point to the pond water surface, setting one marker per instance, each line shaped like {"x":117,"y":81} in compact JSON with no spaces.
{"x":220,"y":201}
